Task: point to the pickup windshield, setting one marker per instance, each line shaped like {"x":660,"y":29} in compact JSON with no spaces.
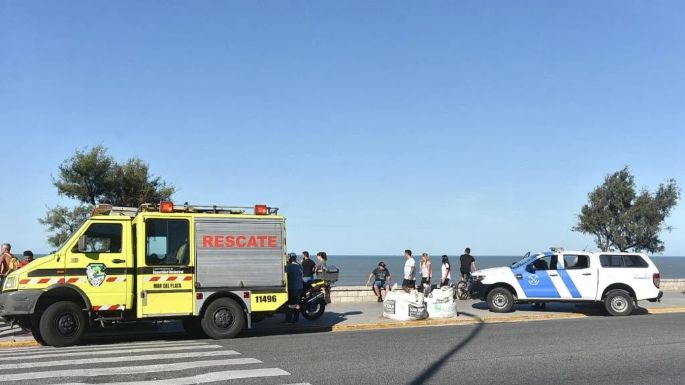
{"x":528,"y":258}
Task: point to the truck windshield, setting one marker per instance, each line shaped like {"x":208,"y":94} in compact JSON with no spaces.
{"x":64,"y":242}
{"x":525,"y":260}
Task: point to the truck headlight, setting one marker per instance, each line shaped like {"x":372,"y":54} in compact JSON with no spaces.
{"x":10,"y":283}
{"x":477,"y":278}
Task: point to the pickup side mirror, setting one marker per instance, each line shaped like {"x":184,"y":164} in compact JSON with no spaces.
{"x":530,"y":268}
{"x":81,"y":244}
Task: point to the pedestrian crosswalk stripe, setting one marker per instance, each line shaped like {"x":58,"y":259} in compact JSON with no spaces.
{"x":209,"y":377}
{"x":156,"y":368}
{"x":55,"y":353}
{"x":86,"y":348}
{"x":125,"y":358}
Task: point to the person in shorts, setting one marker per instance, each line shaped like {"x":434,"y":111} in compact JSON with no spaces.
{"x":409,"y":281}
{"x":381,"y":276}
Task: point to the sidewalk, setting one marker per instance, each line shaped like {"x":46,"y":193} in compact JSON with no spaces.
{"x":368,"y":315}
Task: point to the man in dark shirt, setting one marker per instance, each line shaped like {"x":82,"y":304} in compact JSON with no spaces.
{"x":467,"y":262}
{"x":295,"y":286}
{"x":308,"y":267}
{"x":382,"y":277}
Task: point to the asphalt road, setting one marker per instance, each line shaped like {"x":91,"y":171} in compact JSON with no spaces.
{"x":630,"y":350}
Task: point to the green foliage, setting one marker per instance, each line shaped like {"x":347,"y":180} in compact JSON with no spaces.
{"x":87,"y":176}
{"x":92,"y":177}
{"x":62,"y":221}
{"x":621,"y":218}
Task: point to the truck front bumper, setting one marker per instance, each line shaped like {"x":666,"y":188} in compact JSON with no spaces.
{"x":19,"y":302}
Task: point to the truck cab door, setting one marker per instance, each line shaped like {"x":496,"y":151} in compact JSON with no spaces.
{"x":100,"y":264}
{"x":165,"y":280}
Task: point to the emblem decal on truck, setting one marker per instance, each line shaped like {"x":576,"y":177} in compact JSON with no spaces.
{"x":533,"y":280}
{"x":95,"y":272}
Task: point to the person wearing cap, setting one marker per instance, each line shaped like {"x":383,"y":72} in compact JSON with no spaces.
{"x":381,"y":282}
{"x":295,"y":287}
{"x":28,"y":258}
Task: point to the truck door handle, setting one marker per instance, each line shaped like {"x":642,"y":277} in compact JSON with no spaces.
{"x":117,"y":260}
{"x":587,"y":273}
{"x":519,"y":276}
{"x":554,"y":275}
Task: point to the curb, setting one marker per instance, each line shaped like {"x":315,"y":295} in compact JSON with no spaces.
{"x":19,"y":344}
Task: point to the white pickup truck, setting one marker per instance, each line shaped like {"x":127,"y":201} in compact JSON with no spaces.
{"x":618,"y":280}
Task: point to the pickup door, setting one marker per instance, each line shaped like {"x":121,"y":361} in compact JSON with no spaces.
{"x":579,"y":276}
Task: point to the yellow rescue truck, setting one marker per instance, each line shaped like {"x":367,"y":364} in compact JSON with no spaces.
{"x":216,"y":268}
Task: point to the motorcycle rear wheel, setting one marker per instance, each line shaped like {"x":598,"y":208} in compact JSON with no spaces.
{"x":313,"y":310}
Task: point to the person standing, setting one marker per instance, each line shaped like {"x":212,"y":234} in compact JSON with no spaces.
{"x":322,"y":257}
{"x":308,"y":267}
{"x":381,"y":282}
{"x":28,"y":258}
{"x":8,"y":262}
{"x":468,"y":263}
{"x":445,"y":270}
{"x":426,"y":271}
{"x":295,"y":286}
{"x":409,"y":281}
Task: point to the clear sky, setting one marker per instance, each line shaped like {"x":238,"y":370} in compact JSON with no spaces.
{"x":374,"y":126}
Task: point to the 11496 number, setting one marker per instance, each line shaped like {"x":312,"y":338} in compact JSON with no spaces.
{"x":265,"y":298}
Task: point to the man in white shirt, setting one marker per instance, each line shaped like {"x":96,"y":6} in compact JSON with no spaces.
{"x":409,"y":281}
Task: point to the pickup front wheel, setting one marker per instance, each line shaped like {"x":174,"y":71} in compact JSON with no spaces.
{"x":500,"y":300}
{"x":618,"y":303}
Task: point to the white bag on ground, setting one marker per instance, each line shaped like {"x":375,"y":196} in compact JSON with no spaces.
{"x":402,"y":306}
{"x":441,"y":303}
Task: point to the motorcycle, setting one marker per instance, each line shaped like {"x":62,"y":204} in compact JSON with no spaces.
{"x":318,"y":294}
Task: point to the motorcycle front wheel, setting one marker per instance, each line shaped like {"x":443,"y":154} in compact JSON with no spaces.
{"x":314,"y":309}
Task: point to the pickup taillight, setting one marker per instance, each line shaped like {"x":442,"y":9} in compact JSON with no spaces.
{"x":656,"y":279}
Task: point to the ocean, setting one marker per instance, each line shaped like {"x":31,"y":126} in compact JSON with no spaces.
{"x":355,"y":269}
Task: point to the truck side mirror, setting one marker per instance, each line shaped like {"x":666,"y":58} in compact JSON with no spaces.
{"x":530,"y":268}
{"x":81,"y":244}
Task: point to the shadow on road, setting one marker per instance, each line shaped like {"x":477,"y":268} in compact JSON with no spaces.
{"x":430,"y":371}
{"x":588,"y":309}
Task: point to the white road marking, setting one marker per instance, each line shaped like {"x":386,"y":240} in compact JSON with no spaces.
{"x":127,"y":358}
{"x":93,"y":372}
{"x":208,"y":377}
{"x":122,"y":351}
{"x":97,"y":348}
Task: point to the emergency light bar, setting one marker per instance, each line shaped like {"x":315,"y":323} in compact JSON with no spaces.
{"x":169,"y":207}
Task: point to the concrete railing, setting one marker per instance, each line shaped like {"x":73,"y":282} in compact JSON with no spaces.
{"x":345,"y":294}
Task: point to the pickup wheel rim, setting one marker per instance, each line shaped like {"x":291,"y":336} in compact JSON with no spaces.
{"x":223,"y":318}
{"x":619,"y":304}
{"x":66,"y":324}
{"x":500,"y":300}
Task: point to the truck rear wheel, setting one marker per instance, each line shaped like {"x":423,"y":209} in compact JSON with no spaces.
{"x":500,"y":300}
{"x":223,"y":318}
{"x":618,"y":303}
{"x":62,"y":324}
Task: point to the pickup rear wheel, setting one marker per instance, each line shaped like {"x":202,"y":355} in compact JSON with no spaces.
{"x":618,"y":303}
{"x":223,"y":318}
{"x":62,"y":324}
{"x":500,"y":300}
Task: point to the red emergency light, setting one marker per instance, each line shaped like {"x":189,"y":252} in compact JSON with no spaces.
{"x":260,"y":210}
{"x":166,"y":207}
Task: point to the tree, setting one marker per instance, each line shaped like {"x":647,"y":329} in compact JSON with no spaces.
{"x":92,"y":177}
{"x":134,"y":185}
{"x":621,"y":218}
{"x":62,"y":221}
{"x":87,"y":176}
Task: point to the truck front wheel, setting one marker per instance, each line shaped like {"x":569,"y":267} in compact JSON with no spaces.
{"x":223,"y":318}
{"x":62,"y":324}
{"x":618,"y":303}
